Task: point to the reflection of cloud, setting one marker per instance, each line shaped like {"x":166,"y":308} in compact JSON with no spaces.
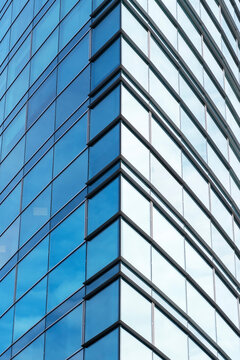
{"x":2,"y":249}
{"x":40,"y":211}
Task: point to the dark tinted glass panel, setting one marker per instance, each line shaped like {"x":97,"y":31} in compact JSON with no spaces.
{"x":108,"y":301}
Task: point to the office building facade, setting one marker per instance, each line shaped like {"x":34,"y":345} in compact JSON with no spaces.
{"x":119,"y":179}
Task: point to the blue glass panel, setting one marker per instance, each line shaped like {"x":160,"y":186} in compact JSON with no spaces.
{"x":6,"y":324}
{"x":9,"y":209}
{"x":35,"y":300}
{"x":105,"y":64}
{"x":17,"y":7}
{"x":73,"y":96}
{"x":106,"y":29}
{"x":66,"y":6}
{"x":38,"y":5}
{"x":104,"y":349}
{"x":33,"y":351}
{"x":67,"y":305}
{"x":104,"y":112}
{"x":96,"y":3}
{"x":37,"y":178}
{"x":65,"y":337}
{"x":73,"y":63}
{"x":5,"y":21}
{"x":103,"y":249}
{"x":45,"y":26}
{"x":44,"y":56}
{"x":108,"y":301}
{"x":7,"y":286}
{"x":67,"y":236}
{"x":37,"y":259}
{"x":103,"y":177}
{"x":70,"y":145}
{"x":9,"y":242}
{"x":17,"y":90}
{"x":40,"y":132}
{"x":74,"y":21}
{"x":103,"y":205}
{"x":19,"y":60}
{"x":12,"y":164}
{"x":41,"y":99}
{"x":70,"y":182}
{"x":21,"y":23}
{"x":14,"y":132}
{"x":66,"y":278}
{"x":35,"y":215}
{"x":104,"y":151}
{"x":103,"y":278}
{"x":28,"y":337}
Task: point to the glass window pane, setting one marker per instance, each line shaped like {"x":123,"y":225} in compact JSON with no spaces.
{"x":66,"y":278}
{"x":166,"y":146}
{"x":108,"y":301}
{"x":44,"y":57}
{"x":167,"y":334}
{"x":103,"y":205}
{"x":168,"y":279}
{"x":74,"y":21}
{"x":39,"y":176}
{"x":35,"y":215}
{"x":35,"y":300}
{"x":168,"y":237}
{"x":164,"y":98}
{"x":111,"y":57}
{"x":135,"y":205}
{"x":197,"y":267}
{"x":105,"y":29}
{"x":201,"y":311}
{"x":7,"y":291}
{"x":40,"y":132}
{"x":132,"y":27}
{"x":137,"y":317}
{"x":6,"y":324}
{"x":70,"y":182}
{"x":104,"y":151}
{"x":10,"y":207}
{"x":227,"y":339}
{"x":104,"y":349}
{"x":135,"y":249}
{"x":166,"y":184}
{"x":13,"y":132}
{"x":163,"y":64}
{"x":196,"y":217}
{"x":45,"y":26}
{"x":73,"y":63}
{"x":134,"y":151}
{"x":134,"y":112}
{"x":67,"y":331}
{"x":131,"y":348}
{"x":104,"y":112}
{"x":67,"y":236}
{"x":9,"y":242}
{"x":102,"y":249}
{"x":159,"y":17}
{"x":37,"y":258}
{"x":134,"y":64}
{"x":70,"y":145}
{"x":195,"y":181}
{"x":33,"y":351}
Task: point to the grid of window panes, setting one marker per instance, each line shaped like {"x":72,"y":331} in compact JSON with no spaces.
{"x":120,"y":179}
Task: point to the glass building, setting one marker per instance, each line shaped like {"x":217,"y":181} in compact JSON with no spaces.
{"x":119,"y":179}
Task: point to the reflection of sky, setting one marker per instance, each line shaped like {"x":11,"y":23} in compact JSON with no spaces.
{"x":34,"y":300}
